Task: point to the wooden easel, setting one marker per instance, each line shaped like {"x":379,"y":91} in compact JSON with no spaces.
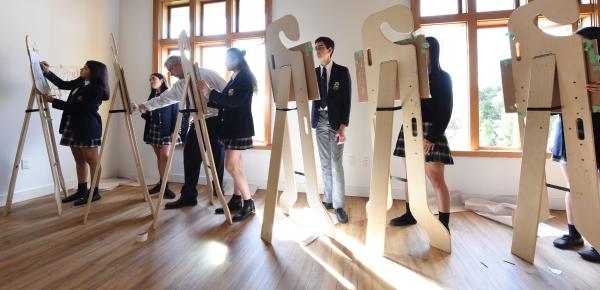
{"x":402,"y":75}
{"x":121,"y":90}
{"x":552,"y":74}
{"x":199,"y":113}
{"x":39,"y":88}
{"x":293,"y":79}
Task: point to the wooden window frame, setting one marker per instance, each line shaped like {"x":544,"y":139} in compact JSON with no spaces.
{"x":161,"y":14}
{"x":473,"y":21}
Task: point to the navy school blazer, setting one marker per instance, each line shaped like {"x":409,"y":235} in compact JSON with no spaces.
{"x":338,"y":97}
{"x":235,"y":107}
{"x":164,"y":117}
{"x":81,"y":105}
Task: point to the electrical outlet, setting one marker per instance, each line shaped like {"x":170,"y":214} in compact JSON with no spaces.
{"x":24,"y":164}
{"x":366,"y":162}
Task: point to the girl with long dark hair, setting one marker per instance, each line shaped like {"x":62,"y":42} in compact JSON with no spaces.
{"x":159,"y":127}
{"x":81,"y":125}
{"x":236,"y":126}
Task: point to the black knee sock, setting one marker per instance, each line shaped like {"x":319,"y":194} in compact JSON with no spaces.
{"x":573,"y":232}
{"x":82,"y":187}
{"x":96,"y":190}
{"x":408,"y":213}
{"x":445,"y":219}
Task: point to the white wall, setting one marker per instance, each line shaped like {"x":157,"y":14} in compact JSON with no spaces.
{"x":67,"y":32}
{"x":341,"y":20}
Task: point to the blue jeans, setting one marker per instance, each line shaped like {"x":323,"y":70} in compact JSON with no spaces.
{"x":332,"y":168}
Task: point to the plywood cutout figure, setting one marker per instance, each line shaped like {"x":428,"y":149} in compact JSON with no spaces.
{"x":39,"y":88}
{"x":552,"y":77}
{"x":293,"y":79}
{"x":396,"y":71}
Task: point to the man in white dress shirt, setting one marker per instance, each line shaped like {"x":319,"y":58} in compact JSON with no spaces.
{"x":191,"y":151}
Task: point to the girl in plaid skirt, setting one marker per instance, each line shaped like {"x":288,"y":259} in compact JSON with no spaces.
{"x":81,"y":125}
{"x":159,"y":128}
{"x":236,"y":127}
{"x":436,"y":113}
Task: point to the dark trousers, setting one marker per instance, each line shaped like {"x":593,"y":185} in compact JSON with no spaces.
{"x":192,"y":161}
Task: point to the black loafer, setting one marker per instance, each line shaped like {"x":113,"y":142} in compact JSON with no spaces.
{"x":246,"y":211}
{"x":328,"y":205}
{"x":234,"y":204}
{"x":169,"y":194}
{"x":403,"y":220}
{"x":73,"y":197}
{"x":155,"y":189}
{"x":567,"y":242}
{"x":341,"y":215}
{"x":83,"y":200}
{"x":590,"y":255}
{"x":181,"y":203}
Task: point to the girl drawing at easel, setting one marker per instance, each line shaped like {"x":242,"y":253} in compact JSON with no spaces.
{"x":81,"y":125}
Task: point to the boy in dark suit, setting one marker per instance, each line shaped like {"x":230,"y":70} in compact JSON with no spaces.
{"x":330,"y":117}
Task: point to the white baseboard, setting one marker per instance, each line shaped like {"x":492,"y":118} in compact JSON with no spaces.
{"x":35,"y":192}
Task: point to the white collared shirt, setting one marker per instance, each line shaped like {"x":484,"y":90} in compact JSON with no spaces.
{"x":173,"y":94}
{"x":328,"y":67}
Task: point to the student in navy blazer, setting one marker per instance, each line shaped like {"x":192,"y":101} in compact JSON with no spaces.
{"x":235,"y":126}
{"x":159,"y":127}
{"x":330,"y":117}
{"x":81,"y":125}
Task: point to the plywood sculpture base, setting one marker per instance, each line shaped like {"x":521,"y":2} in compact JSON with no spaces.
{"x":122,"y":91}
{"x":293,"y":78}
{"x":40,"y":87}
{"x":396,"y":71}
{"x":199,"y":112}
{"x":541,"y":65}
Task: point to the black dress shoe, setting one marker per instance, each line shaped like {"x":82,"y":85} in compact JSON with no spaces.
{"x":155,"y":189}
{"x":567,"y":242}
{"x":83,"y":200}
{"x":341,"y":215}
{"x":590,"y":255}
{"x":234,"y":204}
{"x":181,"y":202}
{"x":73,"y":197}
{"x":246,"y":211}
{"x":328,"y":205}
{"x":403,"y":220}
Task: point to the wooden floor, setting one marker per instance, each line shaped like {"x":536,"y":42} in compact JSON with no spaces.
{"x":194,"y":249}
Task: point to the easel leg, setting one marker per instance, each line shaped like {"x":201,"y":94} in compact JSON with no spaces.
{"x":207,"y":173}
{"x":18,"y":155}
{"x":45,"y":119}
{"x":95,"y":174}
{"x":532,"y":181}
{"x":290,"y":194}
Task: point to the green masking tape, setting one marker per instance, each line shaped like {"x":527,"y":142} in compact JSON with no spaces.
{"x":595,"y":108}
{"x":506,"y":62}
{"x":360,"y":53}
{"x":596,"y":68}
{"x":48,"y":119}
{"x":308,"y":49}
{"x":425,"y":45}
{"x":510,"y":35}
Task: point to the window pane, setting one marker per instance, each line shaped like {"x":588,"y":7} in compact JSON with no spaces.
{"x":213,"y":57}
{"x":454,"y":60}
{"x":251,"y":15}
{"x":438,"y":7}
{"x":554,"y":28}
{"x":179,"y":19}
{"x":496,"y":128}
{"x":255,"y":56}
{"x":213,"y":18}
{"x":494,"y":5}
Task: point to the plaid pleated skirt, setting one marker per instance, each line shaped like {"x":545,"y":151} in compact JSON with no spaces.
{"x":153,"y":137}
{"x":237,"y":143}
{"x":441,"y":151}
{"x":68,"y":138}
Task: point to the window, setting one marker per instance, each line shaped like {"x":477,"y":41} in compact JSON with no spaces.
{"x":216,"y":26}
{"x":473,"y":41}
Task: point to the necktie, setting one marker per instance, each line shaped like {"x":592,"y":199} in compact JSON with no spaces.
{"x":323,"y":87}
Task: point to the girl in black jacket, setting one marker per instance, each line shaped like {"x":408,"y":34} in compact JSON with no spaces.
{"x":236,"y":127}
{"x":159,"y":127}
{"x":81,"y":125}
{"x":436,"y":113}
